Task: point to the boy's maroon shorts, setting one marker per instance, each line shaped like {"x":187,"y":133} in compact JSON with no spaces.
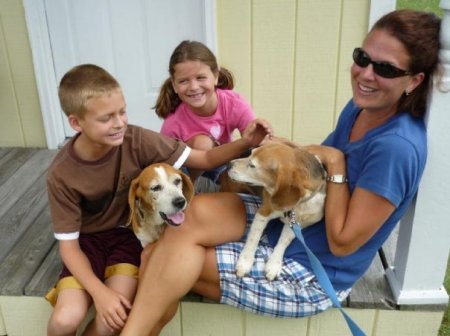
{"x":111,"y":252}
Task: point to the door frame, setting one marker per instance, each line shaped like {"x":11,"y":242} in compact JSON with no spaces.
{"x":47,"y":84}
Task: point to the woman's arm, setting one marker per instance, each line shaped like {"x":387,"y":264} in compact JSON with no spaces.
{"x":351,"y":220}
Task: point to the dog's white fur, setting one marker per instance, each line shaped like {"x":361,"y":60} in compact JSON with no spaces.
{"x":292,"y":179}
{"x":157,"y":194}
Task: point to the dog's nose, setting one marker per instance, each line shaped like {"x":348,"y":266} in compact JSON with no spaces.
{"x":179,"y":202}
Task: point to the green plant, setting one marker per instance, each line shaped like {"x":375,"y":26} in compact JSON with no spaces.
{"x":425,"y":5}
{"x":445,"y":326}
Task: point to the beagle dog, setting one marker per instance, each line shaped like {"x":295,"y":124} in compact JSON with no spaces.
{"x":292,"y":180}
{"x":158,"y":196}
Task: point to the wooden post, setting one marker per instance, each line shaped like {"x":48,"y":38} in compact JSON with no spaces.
{"x":420,"y":262}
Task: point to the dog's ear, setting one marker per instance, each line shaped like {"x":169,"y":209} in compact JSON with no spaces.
{"x":132,"y":202}
{"x":288,"y":188}
{"x":188,"y":187}
{"x":314,"y":171}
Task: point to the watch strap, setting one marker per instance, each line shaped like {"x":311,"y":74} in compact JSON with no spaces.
{"x":337,"y":178}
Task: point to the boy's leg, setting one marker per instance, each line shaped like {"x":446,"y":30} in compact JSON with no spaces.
{"x":69,"y":312}
{"x":123,"y":284}
{"x":120,"y":275}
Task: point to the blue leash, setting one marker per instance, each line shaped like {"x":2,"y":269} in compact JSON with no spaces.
{"x":322,"y":276}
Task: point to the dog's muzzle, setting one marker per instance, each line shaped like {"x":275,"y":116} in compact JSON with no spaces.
{"x":176,"y":218}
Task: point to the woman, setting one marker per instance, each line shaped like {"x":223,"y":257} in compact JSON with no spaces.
{"x":379,"y":144}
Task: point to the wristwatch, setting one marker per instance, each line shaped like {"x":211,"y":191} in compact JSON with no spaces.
{"x":337,"y":179}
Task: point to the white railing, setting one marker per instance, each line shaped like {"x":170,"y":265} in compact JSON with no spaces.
{"x":418,"y":270}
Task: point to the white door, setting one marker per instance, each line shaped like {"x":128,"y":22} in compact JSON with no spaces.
{"x":132,"y":39}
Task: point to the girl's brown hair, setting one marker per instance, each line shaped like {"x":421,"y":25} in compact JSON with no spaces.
{"x":419,"y":33}
{"x":168,"y":100}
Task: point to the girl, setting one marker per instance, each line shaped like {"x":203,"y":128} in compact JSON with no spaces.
{"x":197,"y":102}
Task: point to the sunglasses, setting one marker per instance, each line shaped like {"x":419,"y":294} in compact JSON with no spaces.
{"x":383,"y":69}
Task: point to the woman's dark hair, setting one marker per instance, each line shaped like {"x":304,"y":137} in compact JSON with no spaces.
{"x":419,"y":33}
{"x":168,"y":100}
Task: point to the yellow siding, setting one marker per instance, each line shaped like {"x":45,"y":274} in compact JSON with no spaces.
{"x":19,"y":103}
{"x":316,"y":67}
{"x":291,"y":59}
{"x":234,"y":42}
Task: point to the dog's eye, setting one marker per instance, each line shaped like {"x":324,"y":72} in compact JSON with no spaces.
{"x":156,"y":187}
{"x":251,"y":165}
{"x":177,"y":181}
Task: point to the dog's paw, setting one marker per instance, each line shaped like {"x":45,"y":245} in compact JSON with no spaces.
{"x":244,"y":265}
{"x":273,"y":269}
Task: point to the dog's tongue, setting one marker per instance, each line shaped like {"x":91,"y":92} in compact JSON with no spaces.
{"x":177,"y":218}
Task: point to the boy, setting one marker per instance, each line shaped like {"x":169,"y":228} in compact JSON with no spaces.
{"x":88,"y":185}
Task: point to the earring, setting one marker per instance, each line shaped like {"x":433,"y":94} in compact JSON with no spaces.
{"x":407,"y":93}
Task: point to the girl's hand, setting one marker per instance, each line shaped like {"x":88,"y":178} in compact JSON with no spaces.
{"x":256,"y":132}
{"x":285,"y":141}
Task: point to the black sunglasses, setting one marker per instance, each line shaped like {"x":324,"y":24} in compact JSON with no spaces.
{"x":383,"y":69}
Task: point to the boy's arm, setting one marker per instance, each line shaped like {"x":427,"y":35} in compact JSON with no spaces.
{"x":255,"y":132}
{"x":111,"y":305}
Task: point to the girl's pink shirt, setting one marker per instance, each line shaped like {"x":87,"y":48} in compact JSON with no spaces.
{"x":232,"y":113}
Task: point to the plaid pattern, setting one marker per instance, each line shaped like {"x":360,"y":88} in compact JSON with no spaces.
{"x":294,"y":293}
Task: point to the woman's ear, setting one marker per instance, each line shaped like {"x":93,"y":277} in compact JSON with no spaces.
{"x":415,"y":81}
{"x":74,"y":123}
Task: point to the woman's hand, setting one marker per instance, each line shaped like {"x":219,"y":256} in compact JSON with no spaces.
{"x":332,"y":159}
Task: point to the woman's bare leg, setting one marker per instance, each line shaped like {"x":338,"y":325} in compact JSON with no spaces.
{"x":208,"y":284}
{"x":178,"y":259}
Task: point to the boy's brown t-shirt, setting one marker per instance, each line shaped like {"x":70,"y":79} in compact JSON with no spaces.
{"x":92,"y":196}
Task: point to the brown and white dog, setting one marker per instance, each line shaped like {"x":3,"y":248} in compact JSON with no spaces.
{"x":292,"y":180}
{"x":158,"y":196}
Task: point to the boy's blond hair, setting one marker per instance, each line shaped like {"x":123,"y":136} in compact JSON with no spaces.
{"x":82,"y":83}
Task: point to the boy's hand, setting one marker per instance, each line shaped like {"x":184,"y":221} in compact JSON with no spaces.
{"x":256,"y":132}
{"x":112,"y":307}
